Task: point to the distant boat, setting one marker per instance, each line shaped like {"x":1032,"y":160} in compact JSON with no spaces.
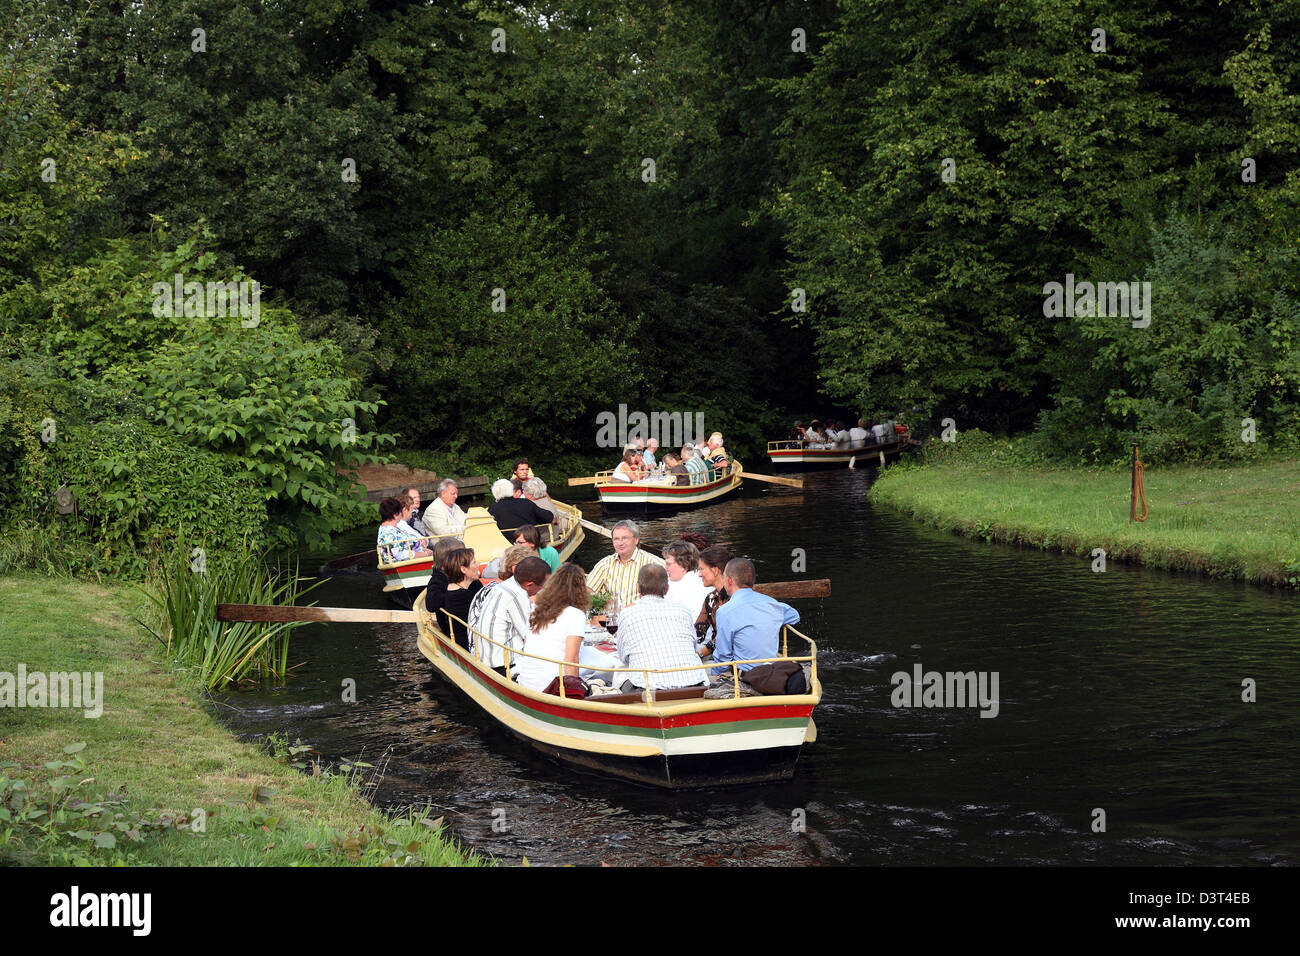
{"x":663,"y":494}
{"x":805,"y":454}
{"x":482,"y":535}
{"x":668,"y":738}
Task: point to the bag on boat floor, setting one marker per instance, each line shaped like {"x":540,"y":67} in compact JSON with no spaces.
{"x":783,"y":677}
{"x":725,"y":688}
{"x":573,"y":687}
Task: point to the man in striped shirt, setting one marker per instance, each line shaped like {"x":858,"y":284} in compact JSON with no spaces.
{"x":617,"y":574}
{"x":657,"y":635}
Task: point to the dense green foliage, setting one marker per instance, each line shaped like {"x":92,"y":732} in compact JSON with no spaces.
{"x":653,"y":186}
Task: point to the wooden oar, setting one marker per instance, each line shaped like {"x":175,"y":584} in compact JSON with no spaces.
{"x":339,"y":564}
{"x":785,"y":590}
{"x":589,"y":480}
{"x":792,"y":482}
{"x":275,"y":613}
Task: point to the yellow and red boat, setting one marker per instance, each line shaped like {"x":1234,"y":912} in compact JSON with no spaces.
{"x":481,"y":534}
{"x":668,"y":738}
{"x":664,"y":494}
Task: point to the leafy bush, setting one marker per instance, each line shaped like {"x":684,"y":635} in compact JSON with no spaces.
{"x":142,"y":489}
{"x":279,"y":412}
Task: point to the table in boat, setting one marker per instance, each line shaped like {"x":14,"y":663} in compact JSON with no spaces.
{"x":597,"y":654}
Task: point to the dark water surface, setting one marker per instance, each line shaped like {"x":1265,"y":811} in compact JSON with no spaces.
{"x":1120,"y":691}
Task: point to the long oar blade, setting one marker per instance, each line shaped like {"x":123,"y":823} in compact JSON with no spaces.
{"x":771,"y":479}
{"x":785,"y":590}
{"x":268,"y":613}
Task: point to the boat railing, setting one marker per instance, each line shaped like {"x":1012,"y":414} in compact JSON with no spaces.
{"x":648,"y":694}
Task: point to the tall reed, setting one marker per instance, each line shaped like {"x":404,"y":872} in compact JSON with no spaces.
{"x":186,"y":592}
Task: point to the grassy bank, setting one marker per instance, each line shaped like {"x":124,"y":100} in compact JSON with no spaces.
{"x":156,"y":755}
{"x":1239,"y":521}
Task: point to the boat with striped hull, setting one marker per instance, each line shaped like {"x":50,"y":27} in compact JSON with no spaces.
{"x":664,"y":494}
{"x":674,"y":738}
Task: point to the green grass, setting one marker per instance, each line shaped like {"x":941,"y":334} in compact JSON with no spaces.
{"x":1239,"y":521}
{"x":156,"y":755}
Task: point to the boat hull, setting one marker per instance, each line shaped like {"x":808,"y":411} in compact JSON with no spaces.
{"x":865,"y":455}
{"x":678,"y":744}
{"x":645,"y":499}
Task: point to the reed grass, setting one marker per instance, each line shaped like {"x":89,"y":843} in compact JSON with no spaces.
{"x":222,"y":654}
{"x":1238,"y":521}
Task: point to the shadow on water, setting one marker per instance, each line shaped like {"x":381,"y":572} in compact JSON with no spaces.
{"x":1118,"y":691}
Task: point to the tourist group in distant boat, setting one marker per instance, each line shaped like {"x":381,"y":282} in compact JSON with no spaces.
{"x":832,"y":434}
{"x":694,"y":465}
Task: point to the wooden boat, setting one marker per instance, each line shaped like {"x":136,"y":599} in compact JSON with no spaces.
{"x":481,"y":534}
{"x":802,"y":454}
{"x":663,"y":494}
{"x":668,"y":738}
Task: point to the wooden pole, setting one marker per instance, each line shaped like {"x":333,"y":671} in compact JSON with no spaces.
{"x":1133,"y":486}
{"x":274,"y":613}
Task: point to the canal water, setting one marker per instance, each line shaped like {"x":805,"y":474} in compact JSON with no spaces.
{"x":1121,"y":736}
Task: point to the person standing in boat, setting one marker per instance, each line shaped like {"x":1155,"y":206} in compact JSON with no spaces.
{"x":617,"y":573}
{"x":555,"y":629}
{"x":444,"y":516}
{"x":749,"y":624}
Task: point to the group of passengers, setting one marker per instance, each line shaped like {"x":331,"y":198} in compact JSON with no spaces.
{"x":695,"y":464}
{"x":831,"y":433}
{"x":671,"y":614}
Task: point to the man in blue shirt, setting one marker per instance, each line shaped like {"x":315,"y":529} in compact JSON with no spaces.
{"x":749,"y":624}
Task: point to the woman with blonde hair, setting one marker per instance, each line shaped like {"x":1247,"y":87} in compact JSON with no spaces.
{"x":559,"y":617}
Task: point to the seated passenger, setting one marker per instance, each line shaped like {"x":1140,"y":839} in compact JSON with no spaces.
{"x":556,"y":626}
{"x":695,"y":466}
{"x":717,"y":456}
{"x":814,"y":434}
{"x":443,"y":516}
{"x":514,"y":511}
{"x":713,"y":562}
{"x":841,"y":438}
{"x":397,"y":543}
{"x":880,"y":434}
{"x":676,"y":468}
{"x":462,"y":573}
{"x":656,"y":634}
{"x":627,"y":469}
{"x":535,"y":491}
{"x":531,"y":538}
{"x":435,"y":594}
{"x":796,"y":432}
{"x":503,"y":616}
{"x":648,"y":458}
{"x":858,"y":436}
{"x":749,"y":624}
{"x":681,"y":561}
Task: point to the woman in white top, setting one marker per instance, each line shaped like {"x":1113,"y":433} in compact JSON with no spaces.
{"x":682,"y":559}
{"x":559,"y":617}
{"x":627,"y":469}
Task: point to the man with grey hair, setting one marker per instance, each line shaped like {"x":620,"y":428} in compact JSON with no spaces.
{"x":535,"y":491}
{"x":695,"y":466}
{"x":444,"y":517}
{"x":617,"y":573}
{"x":658,"y":635}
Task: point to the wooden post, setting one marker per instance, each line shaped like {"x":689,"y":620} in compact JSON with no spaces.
{"x":1133,"y":486}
